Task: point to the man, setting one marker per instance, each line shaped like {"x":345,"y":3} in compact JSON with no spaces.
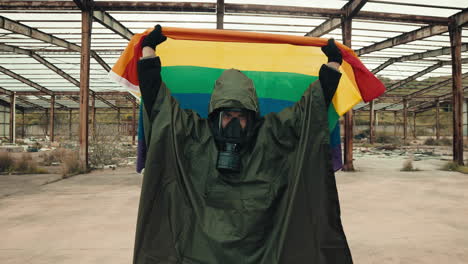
{"x":237,"y":187}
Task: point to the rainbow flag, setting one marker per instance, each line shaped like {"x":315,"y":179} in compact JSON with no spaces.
{"x":281,"y":67}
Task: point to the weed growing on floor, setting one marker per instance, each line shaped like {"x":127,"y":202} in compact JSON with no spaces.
{"x":408,"y":166}
{"x":438,"y":142}
{"x":53,"y":156}
{"x":6,"y":162}
{"x":71,"y":164}
{"x":386,"y":139}
{"x":452,"y":166}
{"x":26,"y":165}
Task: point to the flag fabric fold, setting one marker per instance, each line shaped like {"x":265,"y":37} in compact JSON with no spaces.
{"x":281,"y":67}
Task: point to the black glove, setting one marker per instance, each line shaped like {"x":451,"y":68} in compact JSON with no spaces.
{"x":154,"y":38}
{"x":333,"y":52}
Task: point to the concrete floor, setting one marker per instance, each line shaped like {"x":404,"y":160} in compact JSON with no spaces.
{"x":389,"y":216}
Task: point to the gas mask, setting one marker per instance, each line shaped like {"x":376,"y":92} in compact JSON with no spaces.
{"x":230,"y":140}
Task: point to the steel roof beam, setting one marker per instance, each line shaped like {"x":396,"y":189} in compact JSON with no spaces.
{"x":111,"y":23}
{"x":460,"y":19}
{"x":27,"y":102}
{"x":100,"y":98}
{"x":404,"y":38}
{"x":19,"y":28}
{"x":49,"y":65}
{"x":434,"y":86}
{"x":5,"y":91}
{"x":428,"y":89}
{"x":325,"y":27}
{"x":39,"y":5}
{"x":49,"y":101}
{"x":229,"y":8}
{"x":428,"y":104}
{"x":32,"y":54}
{"x":20,"y":98}
{"x":25,"y":81}
{"x":418,"y":56}
{"x":77,"y":100}
{"x":402,"y":18}
{"x":416,"y":75}
{"x":350,"y":9}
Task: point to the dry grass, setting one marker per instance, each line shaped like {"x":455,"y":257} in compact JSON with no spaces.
{"x":27,"y":165}
{"x":6,"y":162}
{"x":24,"y":165}
{"x":408,"y":166}
{"x":71,"y":164}
{"x":106,"y":148}
{"x":387,"y":139}
{"x":53,"y":156}
{"x":438,"y":142}
{"x":452,"y":166}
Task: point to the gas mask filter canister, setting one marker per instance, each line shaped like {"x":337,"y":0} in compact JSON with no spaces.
{"x":229,"y":154}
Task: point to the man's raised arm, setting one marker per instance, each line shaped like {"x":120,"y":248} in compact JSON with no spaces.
{"x":329,"y":74}
{"x":149,"y":68}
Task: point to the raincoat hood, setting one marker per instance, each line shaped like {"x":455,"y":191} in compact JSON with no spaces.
{"x":234,"y":89}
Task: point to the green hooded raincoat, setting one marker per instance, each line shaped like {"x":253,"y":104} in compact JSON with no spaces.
{"x":283,"y":206}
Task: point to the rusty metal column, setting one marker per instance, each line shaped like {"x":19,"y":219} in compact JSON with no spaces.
{"x":12,"y":117}
{"x":437,"y":119}
{"x":93,"y":116}
{"x":348,"y":117}
{"x":405,"y":120}
{"x":376,"y":123}
{"x":466,"y":124}
{"x":414,"y":124}
{"x":47,"y":122}
{"x":86,"y":25}
{"x":134,"y":123}
{"x":22,"y":124}
{"x":220,"y":14}
{"x":52,"y":118}
{"x":371,"y":122}
{"x":394,"y":123}
{"x":457,"y":90}
{"x":118,"y":120}
{"x":70,"y":124}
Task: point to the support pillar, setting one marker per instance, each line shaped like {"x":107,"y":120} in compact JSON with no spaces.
{"x":86,"y":26}
{"x":466,"y":124}
{"x":220,"y":14}
{"x":46,"y":125}
{"x":12,"y":117}
{"x":457,"y":90}
{"x":376,"y":117}
{"x":134,"y":122}
{"x":348,"y":117}
{"x":22,"y":125}
{"x":371,"y":122}
{"x":70,"y":124}
{"x":93,"y":116}
{"x":437,"y":119}
{"x":118,"y":120}
{"x":394,"y":123}
{"x":405,"y":120}
{"x":414,"y":125}
{"x":52,"y":118}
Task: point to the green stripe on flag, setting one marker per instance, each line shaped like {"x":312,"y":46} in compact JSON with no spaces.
{"x":273,"y":85}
